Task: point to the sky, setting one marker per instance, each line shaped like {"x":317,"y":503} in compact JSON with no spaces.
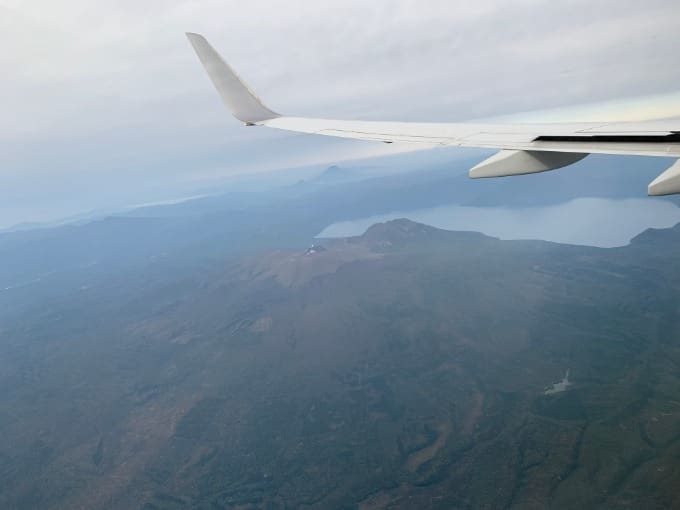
{"x":104,"y":104}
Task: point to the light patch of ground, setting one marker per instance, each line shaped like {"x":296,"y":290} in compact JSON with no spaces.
{"x":417,"y":459}
{"x":261,"y":325}
{"x":296,"y":269}
{"x":182,"y":339}
{"x":560,"y":386}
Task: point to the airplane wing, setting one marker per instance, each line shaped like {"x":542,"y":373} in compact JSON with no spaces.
{"x":524,"y":148}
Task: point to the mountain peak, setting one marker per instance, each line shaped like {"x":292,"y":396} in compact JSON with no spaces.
{"x":401,"y":228}
{"x":333,"y":173}
{"x":656,"y":236}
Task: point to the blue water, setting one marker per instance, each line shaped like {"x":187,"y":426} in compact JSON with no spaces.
{"x":585,"y":221}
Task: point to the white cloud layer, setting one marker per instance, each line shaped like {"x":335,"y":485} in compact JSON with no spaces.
{"x":103,"y":97}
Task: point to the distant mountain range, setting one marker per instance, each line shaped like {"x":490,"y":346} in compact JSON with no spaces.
{"x":417,"y":185}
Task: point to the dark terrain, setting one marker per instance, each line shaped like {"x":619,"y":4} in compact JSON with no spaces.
{"x":147,"y":363}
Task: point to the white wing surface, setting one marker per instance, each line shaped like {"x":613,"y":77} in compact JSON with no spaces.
{"x":525,"y":148}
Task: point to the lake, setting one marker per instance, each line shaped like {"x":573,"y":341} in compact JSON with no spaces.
{"x":586,"y":221}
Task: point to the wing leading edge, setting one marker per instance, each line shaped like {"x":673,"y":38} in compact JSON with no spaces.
{"x":524,"y":148}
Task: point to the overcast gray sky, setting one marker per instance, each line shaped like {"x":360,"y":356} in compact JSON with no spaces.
{"x":104,"y":103}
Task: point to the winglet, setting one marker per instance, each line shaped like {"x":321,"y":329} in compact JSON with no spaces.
{"x":241,"y":101}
